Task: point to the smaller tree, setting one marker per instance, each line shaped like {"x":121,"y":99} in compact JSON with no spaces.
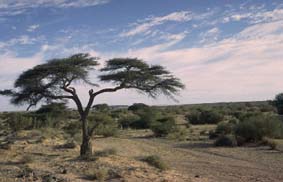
{"x":101,"y":107}
{"x":137,"y":107}
{"x":278,"y":102}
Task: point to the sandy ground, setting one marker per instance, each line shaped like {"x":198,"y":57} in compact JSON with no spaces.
{"x":196,"y":161}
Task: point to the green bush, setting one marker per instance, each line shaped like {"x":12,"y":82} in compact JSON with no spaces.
{"x":226,"y":141}
{"x":162,"y":127}
{"x":179,"y":134}
{"x":105,"y":125}
{"x":253,"y":129}
{"x":19,"y":121}
{"x":204,"y":117}
{"x":126,"y":121}
{"x":224,"y":128}
{"x":156,"y":161}
{"x":72,"y":128}
{"x":138,"y":107}
{"x":147,"y":117}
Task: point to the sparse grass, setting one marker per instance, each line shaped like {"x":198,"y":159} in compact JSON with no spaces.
{"x":106,"y":152}
{"x":156,"y":161}
{"x":102,"y":153}
{"x":179,"y":134}
{"x":68,"y":145}
{"x":100,"y":174}
{"x":26,"y":159}
{"x":269,"y":142}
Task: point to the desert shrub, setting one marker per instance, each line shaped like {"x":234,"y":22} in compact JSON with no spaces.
{"x":19,"y":121}
{"x":26,"y":172}
{"x":72,"y":128}
{"x":50,"y":115}
{"x":101,"y":108}
{"x":255,"y":128}
{"x":68,"y":145}
{"x":26,"y":159}
{"x":162,"y":127}
{"x":155,"y":161}
{"x":100,"y":174}
{"x":147,"y":117}
{"x":179,"y":134}
{"x":105,"y":153}
{"x":224,"y":128}
{"x":204,"y":117}
{"x":126,"y":121}
{"x":212,"y":134}
{"x":194,"y":117}
{"x":269,"y":142}
{"x":105,"y":125}
{"x":226,"y":141}
{"x":211,"y":117}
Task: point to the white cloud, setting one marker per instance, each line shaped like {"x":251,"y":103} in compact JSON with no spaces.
{"x":247,"y":66}
{"x":145,"y":26}
{"x":16,"y":7}
{"x":210,"y":36}
{"x":21,"y":40}
{"x":32,"y":28}
{"x":254,"y":15}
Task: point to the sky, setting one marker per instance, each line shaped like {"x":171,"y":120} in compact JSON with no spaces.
{"x":222,"y":50}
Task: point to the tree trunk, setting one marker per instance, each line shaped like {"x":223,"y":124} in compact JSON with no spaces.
{"x":86,"y":147}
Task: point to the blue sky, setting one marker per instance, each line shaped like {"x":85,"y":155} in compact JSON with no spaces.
{"x":223,"y":50}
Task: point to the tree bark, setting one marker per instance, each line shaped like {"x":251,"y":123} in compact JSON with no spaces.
{"x":86,"y":146}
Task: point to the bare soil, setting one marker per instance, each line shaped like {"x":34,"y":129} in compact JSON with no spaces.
{"x":196,"y":161}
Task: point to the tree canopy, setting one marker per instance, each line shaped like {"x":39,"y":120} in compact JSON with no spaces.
{"x":278,"y":102}
{"x":53,"y":79}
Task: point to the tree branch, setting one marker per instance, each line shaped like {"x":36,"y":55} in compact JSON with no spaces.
{"x":109,"y":90}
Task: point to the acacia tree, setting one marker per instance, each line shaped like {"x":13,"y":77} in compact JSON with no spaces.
{"x":55,"y":80}
{"x":278,"y":102}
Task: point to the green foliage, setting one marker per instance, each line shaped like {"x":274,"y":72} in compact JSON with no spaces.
{"x":101,"y":108}
{"x":19,"y":121}
{"x":179,"y":134}
{"x":204,"y":117}
{"x":104,"y":125}
{"x":156,"y":161}
{"x":128,"y":120}
{"x":224,"y":128}
{"x":53,"y":109}
{"x":147,"y":117}
{"x":137,"y":74}
{"x":226,"y":141}
{"x":72,"y":128}
{"x":138,"y":107}
{"x":45,"y":81}
{"x":255,"y":128}
{"x":162,"y":127}
{"x":278,"y":102}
